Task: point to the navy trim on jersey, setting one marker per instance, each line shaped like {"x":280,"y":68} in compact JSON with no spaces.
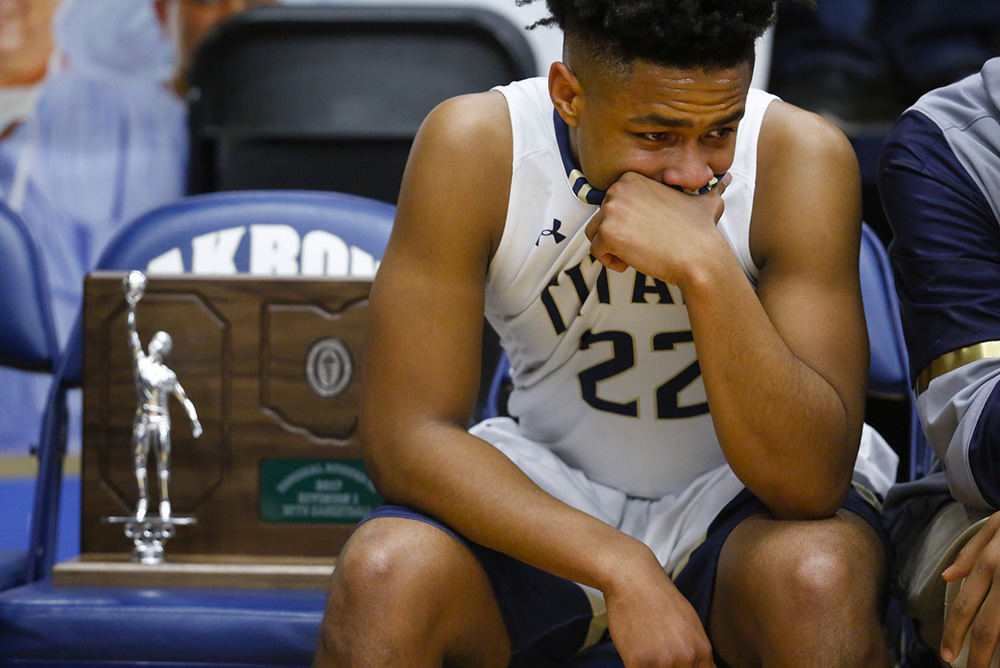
{"x":577,"y":181}
{"x":946,"y":243}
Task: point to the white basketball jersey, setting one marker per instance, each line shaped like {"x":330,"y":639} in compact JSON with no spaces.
{"x":603,"y":364}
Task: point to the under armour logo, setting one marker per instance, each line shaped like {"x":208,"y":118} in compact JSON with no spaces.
{"x":554,"y":232}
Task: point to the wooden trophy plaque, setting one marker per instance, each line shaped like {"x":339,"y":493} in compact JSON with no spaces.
{"x":275,"y":483}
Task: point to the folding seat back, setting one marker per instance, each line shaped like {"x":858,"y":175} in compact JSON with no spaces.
{"x":27,"y":337}
{"x":330,"y":97}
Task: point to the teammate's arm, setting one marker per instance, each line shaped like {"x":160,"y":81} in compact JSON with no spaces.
{"x":948,"y":279}
{"x":421,"y":379}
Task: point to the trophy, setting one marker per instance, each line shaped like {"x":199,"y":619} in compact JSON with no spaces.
{"x":155,"y":382}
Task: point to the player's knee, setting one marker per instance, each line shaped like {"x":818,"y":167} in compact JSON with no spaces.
{"x":361,"y":580}
{"x":831,"y":580}
{"x":381,"y":562}
{"x":819,"y":577}
{"x":366,"y":566}
{"x":378,"y":595}
{"x":821,"y":593}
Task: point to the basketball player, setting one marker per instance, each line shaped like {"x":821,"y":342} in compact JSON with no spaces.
{"x":671,"y":261}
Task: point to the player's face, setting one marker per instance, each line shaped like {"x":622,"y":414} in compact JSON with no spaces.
{"x":675,"y":126}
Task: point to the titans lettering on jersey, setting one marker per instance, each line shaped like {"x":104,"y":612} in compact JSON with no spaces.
{"x":588,"y":284}
{"x":594,"y":278}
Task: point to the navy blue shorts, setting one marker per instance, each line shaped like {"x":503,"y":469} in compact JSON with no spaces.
{"x":548,"y":617}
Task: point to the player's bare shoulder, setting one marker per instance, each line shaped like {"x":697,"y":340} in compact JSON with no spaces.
{"x":470,"y":128}
{"x":792,"y":139}
{"x":459,"y":170}
{"x":807,"y":177}
{"x":477,"y":116}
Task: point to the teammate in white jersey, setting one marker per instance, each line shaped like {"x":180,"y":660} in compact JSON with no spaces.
{"x":644,"y":506}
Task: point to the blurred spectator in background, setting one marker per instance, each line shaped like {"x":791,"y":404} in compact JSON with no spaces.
{"x":862,"y":62}
{"x":25,"y":49}
{"x":102,"y":141}
{"x":106,"y":142}
{"x":26,"y":58}
{"x":186,"y":22}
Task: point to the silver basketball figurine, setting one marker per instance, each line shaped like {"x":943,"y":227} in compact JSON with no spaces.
{"x":155,"y":382}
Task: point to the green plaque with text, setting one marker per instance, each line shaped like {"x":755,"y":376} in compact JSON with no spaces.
{"x":315,"y":490}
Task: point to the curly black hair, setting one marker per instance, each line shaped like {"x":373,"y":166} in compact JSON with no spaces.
{"x":688,"y":34}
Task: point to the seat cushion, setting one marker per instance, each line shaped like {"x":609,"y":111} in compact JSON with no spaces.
{"x":12,"y":568}
{"x":186,"y":625}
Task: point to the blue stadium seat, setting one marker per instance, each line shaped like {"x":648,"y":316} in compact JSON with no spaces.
{"x":27,"y":338}
{"x":888,"y":374}
{"x":44,"y":623}
{"x":13,"y":568}
{"x":233,"y":232}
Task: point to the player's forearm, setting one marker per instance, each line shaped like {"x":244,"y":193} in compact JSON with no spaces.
{"x":783,"y":427}
{"x":465,"y":482}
